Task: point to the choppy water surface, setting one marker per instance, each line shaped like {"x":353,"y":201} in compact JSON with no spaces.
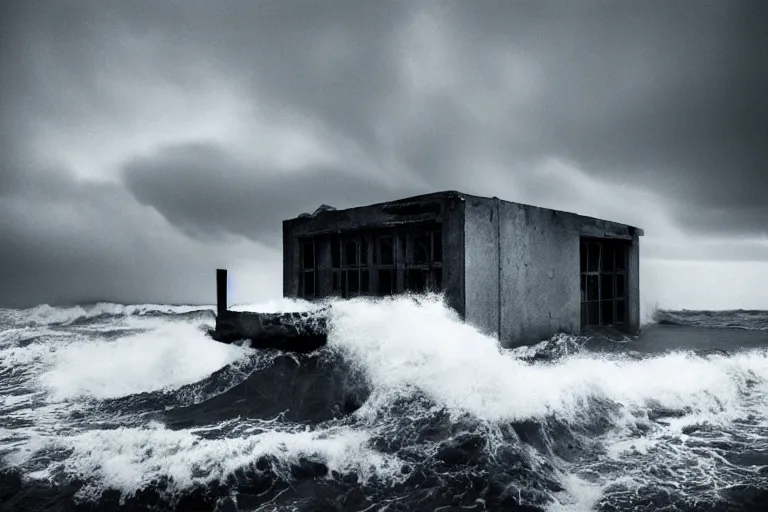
{"x":407,"y":408}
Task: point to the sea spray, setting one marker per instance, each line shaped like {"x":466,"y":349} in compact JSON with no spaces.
{"x":166,"y":357}
{"x":403,"y":343}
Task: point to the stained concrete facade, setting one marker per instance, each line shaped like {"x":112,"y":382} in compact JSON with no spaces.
{"x":514,"y":271}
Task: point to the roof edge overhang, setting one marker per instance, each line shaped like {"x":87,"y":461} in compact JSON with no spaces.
{"x":456,"y":195}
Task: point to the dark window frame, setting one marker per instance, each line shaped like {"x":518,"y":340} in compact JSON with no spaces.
{"x":386,"y":251}
{"x":342,"y":270}
{"x":429,"y":270}
{"x":594,"y":271}
{"x":308,"y":271}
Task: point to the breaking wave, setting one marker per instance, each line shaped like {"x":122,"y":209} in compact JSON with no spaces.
{"x":45,"y":315}
{"x":406,"y":408}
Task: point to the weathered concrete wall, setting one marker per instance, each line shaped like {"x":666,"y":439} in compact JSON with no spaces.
{"x":633,"y":290}
{"x":481,"y":248}
{"x":540,"y":286}
{"x":453,"y":254}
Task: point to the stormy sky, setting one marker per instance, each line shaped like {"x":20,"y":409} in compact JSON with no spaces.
{"x":146,"y":143}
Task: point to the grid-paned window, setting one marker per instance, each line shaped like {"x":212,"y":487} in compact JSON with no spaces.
{"x":386,"y":261}
{"x":603,"y":282}
{"x":349,"y":259}
{"x":423,"y":260}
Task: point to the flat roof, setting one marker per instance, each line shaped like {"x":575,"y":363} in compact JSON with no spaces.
{"x":454,"y":194}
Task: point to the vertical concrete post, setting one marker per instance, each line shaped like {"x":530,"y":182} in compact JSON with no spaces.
{"x":221,"y":291}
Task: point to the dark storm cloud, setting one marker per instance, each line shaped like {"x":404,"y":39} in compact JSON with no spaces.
{"x":69,"y":242}
{"x":664,"y":95}
{"x":205,"y":192}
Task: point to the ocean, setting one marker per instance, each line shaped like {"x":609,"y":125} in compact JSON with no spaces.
{"x":114,"y":407}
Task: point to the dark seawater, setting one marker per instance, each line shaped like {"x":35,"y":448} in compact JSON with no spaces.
{"x":109,"y":407}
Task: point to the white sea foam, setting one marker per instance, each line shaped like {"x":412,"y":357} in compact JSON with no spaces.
{"x":281,"y":305}
{"x":166,"y":354}
{"x":130,"y":458}
{"x":579,"y":495}
{"x":45,"y":314}
{"x":50,"y":315}
{"x":33,"y":355}
{"x":164,"y":358}
{"x":404,"y":342}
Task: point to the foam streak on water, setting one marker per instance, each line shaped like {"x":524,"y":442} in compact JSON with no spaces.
{"x":406,"y":407}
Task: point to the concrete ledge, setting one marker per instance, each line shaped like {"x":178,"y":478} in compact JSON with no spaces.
{"x":293,"y":332}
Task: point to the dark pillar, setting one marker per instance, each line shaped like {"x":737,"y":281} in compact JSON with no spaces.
{"x":221,"y":291}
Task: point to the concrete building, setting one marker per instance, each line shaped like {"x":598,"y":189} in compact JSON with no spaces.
{"x":519,"y":272}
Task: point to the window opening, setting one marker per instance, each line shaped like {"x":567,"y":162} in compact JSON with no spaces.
{"x":603,"y":282}
{"x":423,"y":262}
{"x":308,"y":275}
{"x":386,"y":261}
{"x":348,"y":256}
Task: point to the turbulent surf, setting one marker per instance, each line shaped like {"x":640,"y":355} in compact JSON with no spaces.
{"x":406,"y":408}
